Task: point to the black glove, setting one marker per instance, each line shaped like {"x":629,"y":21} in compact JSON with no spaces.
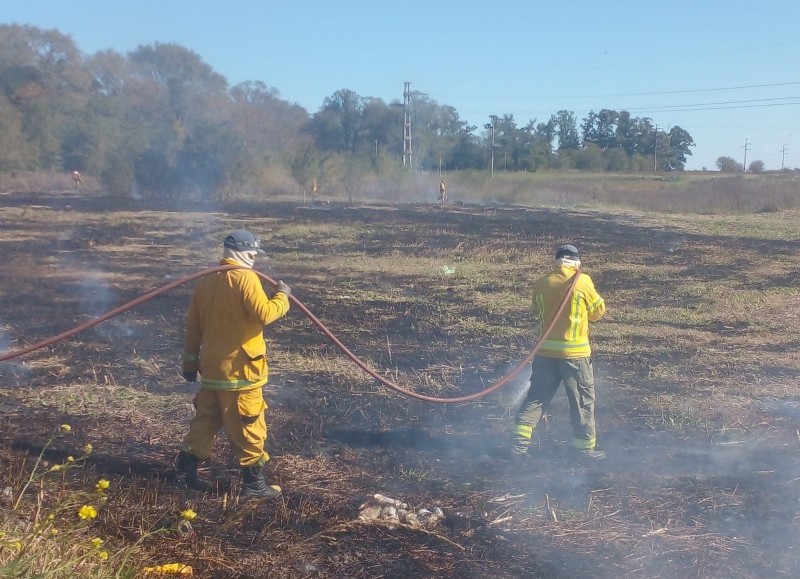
{"x":284,"y":289}
{"x":190,"y":376}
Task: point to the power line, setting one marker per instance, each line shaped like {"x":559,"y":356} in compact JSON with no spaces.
{"x":685,"y":106}
{"x":655,"y":109}
{"x":653,"y":93}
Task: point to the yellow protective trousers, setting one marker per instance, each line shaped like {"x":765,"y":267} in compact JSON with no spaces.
{"x":240,"y":414}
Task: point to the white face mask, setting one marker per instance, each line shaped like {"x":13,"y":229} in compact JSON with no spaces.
{"x":245,"y":258}
{"x":568,"y":262}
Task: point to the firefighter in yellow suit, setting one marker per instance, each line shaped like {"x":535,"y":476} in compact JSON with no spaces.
{"x":224,"y":342}
{"x":564,"y":356}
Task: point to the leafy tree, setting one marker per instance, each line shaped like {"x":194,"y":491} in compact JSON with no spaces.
{"x":207,"y":160}
{"x":567,"y":130}
{"x":590,"y":158}
{"x":118,"y":175}
{"x":190,"y":87}
{"x":679,"y":144}
{"x":618,"y":161}
{"x":306,"y":166}
{"x":756,"y":166}
{"x":43,"y":77}
{"x":16,"y":152}
{"x":436,"y":130}
{"x":337,"y":125}
{"x":729,"y":165}
{"x":644,"y":136}
{"x":468,"y":152}
{"x":270,"y":130}
{"x":600,"y":128}
{"x":624,"y":136}
{"x":381,"y":130}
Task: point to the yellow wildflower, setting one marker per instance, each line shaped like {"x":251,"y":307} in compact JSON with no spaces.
{"x":170,"y":569}
{"x":96,"y":542}
{"x":103,"y":555}
{"x":70,"y":459}
{"x":88,"y":448}
{"x":66,"y":428}
{"x":56,"y":467}
{"x":87,"y":512}
{"x":102,"y":485}
{"x":15,"y":545}
{"x":188,"y":514}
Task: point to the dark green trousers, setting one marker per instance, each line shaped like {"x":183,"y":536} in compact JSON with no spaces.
{"x":546,"y":376}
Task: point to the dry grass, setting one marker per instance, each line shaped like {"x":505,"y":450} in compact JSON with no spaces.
{"x":696,"y":362}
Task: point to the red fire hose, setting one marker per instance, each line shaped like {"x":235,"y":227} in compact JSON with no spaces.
{"x":358,"y":362}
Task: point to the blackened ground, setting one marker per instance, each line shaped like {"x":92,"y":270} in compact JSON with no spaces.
{"x":670,"y":500}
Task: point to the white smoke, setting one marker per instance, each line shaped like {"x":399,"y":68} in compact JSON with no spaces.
{"x":12,"y":368}
{"x":96,"y":298}
{"x":512,"y":394}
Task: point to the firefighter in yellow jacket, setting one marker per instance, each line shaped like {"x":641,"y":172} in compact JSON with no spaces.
{"x":564,"y":356}
{"x":224,"y":342}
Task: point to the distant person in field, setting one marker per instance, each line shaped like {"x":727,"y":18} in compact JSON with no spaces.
{"x":224,"y":343}
{"x":564,"y":356}
{"x":76,"y":179}
{"x":314,"y":191}
{"x":442,"y":192}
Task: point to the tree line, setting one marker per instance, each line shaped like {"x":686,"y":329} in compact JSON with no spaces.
{"x":160,"y":122}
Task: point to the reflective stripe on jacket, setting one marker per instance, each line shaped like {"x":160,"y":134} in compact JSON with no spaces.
{"x":570,"y":335}
{"x":225,"y":329}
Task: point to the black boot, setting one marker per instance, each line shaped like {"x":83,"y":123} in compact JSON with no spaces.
{"x":255,"y":485}
{"x":186,"y":465}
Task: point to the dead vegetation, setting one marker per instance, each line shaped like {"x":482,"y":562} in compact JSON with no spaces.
{"x":696,"y":363}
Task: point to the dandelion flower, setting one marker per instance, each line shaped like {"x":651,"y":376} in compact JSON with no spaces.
{"x":70,"y":459}
{"x":66,"y":428}
{"x":56,"y":467}
{"x":87,"y":512}
{"x":103,"y":555}
{"x":188,"y":514}
{"x":102,"y":485}
{"x":88,"y":448}
{"x":96,"y":542}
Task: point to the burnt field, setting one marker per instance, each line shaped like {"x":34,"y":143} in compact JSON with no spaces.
{"x":696,"y":367}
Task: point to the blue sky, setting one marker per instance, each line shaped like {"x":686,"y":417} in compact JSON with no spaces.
{"x":727,"y":71}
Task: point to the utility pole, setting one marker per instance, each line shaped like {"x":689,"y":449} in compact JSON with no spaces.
{"x":491,"y":166}
{"x":655,"y":153}
{"x":407,"y":124}
{"x":746,"y":146}
{"x":783,"y":155}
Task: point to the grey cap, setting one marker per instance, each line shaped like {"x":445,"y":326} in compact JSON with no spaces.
{"x":243,"y":240}
{"x":569,"y":251}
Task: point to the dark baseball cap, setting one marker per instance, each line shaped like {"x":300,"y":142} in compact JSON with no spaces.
{"x":243,"y":240}
{"x":569,"y":251}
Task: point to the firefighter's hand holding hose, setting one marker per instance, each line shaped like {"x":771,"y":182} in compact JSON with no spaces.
{"x":283,"y":288}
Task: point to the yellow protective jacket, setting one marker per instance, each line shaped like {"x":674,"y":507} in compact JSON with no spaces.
{"x":570,"y":335}
{"x":225,"y":329}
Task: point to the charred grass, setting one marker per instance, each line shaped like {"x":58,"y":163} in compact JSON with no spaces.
{"x":696,"y":368}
